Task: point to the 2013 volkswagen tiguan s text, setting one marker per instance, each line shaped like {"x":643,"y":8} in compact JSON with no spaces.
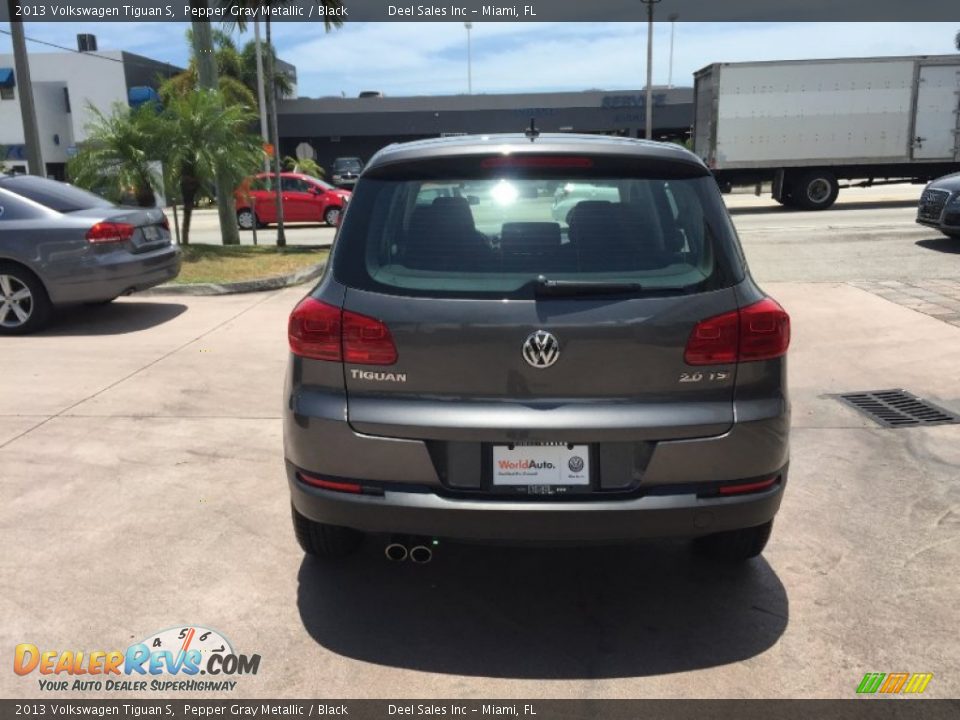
{"x":471,"y":368}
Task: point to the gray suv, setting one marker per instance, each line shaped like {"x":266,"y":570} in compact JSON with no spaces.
{"x":471,"y":368}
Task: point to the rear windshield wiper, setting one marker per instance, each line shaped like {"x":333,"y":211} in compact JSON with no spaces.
{"x":545,"y":286}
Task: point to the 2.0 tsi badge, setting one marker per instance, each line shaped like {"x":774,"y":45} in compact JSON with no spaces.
{"x":541,"y":349}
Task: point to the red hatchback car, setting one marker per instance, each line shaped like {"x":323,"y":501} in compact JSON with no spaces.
{"x":305,"y":199}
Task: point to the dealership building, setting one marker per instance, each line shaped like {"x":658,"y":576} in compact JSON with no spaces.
{"x":327,"y":128}
{"x":65,"y":85}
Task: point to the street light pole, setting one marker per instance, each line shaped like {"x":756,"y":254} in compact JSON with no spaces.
{"x":469,"y":27}
{"x":28,"y":111}
{"x":648,"y":124}
{"x":673,"y":21}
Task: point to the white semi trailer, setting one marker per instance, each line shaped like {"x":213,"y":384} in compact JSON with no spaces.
{"x":810,"y":127}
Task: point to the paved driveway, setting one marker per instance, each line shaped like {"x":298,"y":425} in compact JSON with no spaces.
{"x":142,"y":488}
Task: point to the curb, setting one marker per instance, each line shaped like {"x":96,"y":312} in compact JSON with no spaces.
{"x":247,"y":286}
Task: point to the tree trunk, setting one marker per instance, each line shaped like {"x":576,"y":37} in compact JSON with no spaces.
{"x":207,"y":79}
{"x":275,"y":134}
{"x":188,"y":191}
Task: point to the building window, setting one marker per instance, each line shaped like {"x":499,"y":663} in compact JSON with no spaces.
{"x":6,"y":93}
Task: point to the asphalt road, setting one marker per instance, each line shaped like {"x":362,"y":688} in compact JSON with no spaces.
{"x":142,"y":488}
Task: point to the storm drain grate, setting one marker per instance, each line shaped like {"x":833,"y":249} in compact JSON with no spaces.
{"x":898,"y":408}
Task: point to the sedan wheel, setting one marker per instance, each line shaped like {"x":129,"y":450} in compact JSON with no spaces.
{"x":331,"y":216}
{"x":245,"y":219}
{"x":24,"y":306}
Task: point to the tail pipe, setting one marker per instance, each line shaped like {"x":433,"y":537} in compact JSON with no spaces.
{"x":396,"y":550}
{"x":421,"y":554}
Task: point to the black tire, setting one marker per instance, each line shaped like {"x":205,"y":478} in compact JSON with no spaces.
{"x":326,"y":541}
{"x":951,"y":235}
{"x":735,"y":546}
{"x":331,"y":215}
{"x":814,"y":190}
{"x":38,"y":308}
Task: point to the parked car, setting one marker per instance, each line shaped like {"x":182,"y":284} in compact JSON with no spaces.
{"x":61,"y":245}
{"x":568,"y":195}
{"x":346,"y":170}
{"x":305,"y":199}
{"x":620,"y":378}
{"x":939,"y":205}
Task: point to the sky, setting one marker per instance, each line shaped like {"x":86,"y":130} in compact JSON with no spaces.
{"x":431,"y":58}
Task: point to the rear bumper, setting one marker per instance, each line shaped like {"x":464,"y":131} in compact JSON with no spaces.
{"x":426,"y":513}
{"x":112,"y":274}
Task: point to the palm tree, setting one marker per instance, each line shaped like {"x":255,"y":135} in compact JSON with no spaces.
{"x":116,"y":159}
{"x":248,"y":69}
{"x":330,"y":21}
{"x":205,"y":137}
{"x":231,"y":73}
{"x":307,"y":166}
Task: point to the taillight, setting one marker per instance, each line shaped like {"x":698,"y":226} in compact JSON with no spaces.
{"x":322,"y":332}
{"x":110,"y":232}
{"x":164,"y":223}
{"x":758,"y":332}
{"x":367,"y":341}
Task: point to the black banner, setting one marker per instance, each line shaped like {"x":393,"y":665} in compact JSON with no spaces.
{"x":854,"y":709}
{"x":473,"y":11}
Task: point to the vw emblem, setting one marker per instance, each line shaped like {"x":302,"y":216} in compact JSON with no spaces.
{"x":541,"y":350}
{"x":575,"y":464}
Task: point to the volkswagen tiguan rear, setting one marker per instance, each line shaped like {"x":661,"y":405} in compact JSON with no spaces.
{"x":471,"y":368}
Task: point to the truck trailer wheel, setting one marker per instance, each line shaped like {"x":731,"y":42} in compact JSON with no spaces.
{"x":814,"y":190}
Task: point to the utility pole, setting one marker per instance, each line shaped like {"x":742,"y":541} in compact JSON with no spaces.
{"x":648,"y":124}
{"x":673,"y":21}
{"x":469,"y":27}
{"x":207,"y":77}
{"x":261,"y":97}
{"x":28,"y":111}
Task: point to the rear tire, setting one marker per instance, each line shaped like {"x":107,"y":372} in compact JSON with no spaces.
{"x":322,"y":540}
{"x":814,"y":190}
{"x":24,"y":304}
{"x":735,"y":546}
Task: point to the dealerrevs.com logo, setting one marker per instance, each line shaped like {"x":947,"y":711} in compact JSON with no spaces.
{"x":168,"y":661}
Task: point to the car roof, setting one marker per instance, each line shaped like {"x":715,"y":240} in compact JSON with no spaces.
{"x":520,"y":144}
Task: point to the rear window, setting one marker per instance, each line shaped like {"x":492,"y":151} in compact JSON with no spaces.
{"x":13,"y":207}
{"x":52,"y":194}
{"x":495,"y":236}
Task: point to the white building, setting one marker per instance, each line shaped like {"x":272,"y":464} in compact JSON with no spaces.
{"x":65,"y":85}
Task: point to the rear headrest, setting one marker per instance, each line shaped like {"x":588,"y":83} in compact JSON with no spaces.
{"x":530,"y":237}
{"x":592,"y":219}
{"x":453,"y":211}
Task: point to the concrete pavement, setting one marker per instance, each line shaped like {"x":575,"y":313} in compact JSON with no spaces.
{"x":142,"y":488}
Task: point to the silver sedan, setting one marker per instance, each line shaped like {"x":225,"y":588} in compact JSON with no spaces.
{"x":60,"y":245}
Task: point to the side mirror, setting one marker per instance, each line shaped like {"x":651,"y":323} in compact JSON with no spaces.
{"x":473,"y":199}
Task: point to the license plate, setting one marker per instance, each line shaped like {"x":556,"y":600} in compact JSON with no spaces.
{"x":541,"y":464}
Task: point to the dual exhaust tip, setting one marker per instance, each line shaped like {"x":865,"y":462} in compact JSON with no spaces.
{"x":398,"y":551}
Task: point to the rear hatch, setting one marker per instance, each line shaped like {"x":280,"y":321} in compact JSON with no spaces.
{"x":511,"y":327}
